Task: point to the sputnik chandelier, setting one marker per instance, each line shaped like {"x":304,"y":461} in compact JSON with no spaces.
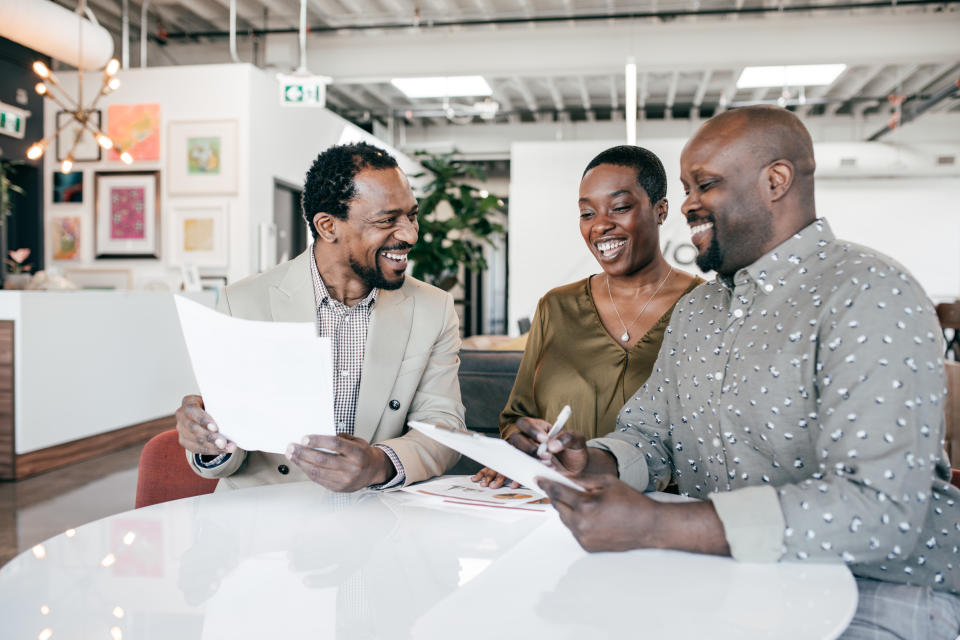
{"x":49,"y":87}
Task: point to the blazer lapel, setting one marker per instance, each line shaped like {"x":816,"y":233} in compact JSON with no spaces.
{"x":389,"y":330}
{"x":292,"y":300}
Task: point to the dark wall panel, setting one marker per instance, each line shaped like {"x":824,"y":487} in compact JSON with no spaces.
{"x":24,"y":228}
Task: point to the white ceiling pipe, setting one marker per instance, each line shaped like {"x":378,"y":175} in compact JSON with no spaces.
{"x":53,"y":30}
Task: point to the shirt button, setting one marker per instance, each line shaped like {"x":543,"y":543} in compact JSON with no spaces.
{"x":738,"y":313}
{"x":716,"y":442}
{"x":718,"y":375}
{"x":283,"y":469}
{"x":768,"y":288}
{"x":341,"y":424}
{"x":395,"y":405}
{"x":344,"y":373}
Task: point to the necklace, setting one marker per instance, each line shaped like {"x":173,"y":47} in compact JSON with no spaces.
{"x":625,"y":337}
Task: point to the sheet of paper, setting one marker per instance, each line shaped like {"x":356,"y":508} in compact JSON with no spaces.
{"x":266,"y":384}
{"x":463,"y":489}
{"x":495,"y":453}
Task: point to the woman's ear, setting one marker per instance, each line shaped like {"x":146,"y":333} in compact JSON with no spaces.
{"x":661,"y":209}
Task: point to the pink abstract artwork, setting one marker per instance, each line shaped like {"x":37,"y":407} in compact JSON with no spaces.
{"x":127,"y":213}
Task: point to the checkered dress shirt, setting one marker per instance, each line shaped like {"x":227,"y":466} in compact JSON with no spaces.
{"x":347,"y":329}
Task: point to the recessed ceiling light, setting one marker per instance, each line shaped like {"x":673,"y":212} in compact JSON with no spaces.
{"x":443,"y":87}
{"x":798,"y":75}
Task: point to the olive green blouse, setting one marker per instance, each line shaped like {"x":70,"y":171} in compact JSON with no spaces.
{"x":571,"y":359}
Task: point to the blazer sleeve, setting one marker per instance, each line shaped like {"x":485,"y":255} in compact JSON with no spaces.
{"x":437,"y":401}
{"x":229,"y":466}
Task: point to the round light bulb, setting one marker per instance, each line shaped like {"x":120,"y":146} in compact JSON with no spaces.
{"x":126,"y":157}
{"x":114,"y":84}
{"x":41,"y":88}
{"x":41,"y":69}
{"x":35,"y":151}
{"x":67,"y":165}
{"x":112,"y":67}
{"x":104,"y":142}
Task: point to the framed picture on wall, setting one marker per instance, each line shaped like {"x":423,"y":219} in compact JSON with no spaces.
{"x":67,"y":187}
{"x":134,"y":128}
{"x":199,"y":234}
{"x":87,"y":149}
{"x":127,"y":214}
{"x":202,"y":157}
{"x":65,"y":237}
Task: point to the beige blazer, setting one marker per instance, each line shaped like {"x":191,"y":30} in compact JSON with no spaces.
{"x":411,"y":356}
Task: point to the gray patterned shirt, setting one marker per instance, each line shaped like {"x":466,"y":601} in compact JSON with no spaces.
{"x":805,"y":398}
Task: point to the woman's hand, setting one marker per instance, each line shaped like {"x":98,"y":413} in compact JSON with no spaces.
{"x":487,"y":477}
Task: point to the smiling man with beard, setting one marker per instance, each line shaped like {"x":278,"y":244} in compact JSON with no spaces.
{"x":799,"y":398}
{"x":394,"y":339}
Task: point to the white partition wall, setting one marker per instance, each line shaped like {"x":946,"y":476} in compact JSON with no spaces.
{"x":273,"y":141}
{"x":892,"y":197}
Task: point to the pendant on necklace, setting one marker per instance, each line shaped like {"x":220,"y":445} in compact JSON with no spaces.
{"x":625,"y":337}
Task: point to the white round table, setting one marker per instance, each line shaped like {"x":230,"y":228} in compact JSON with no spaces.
{"x":293,"y":560}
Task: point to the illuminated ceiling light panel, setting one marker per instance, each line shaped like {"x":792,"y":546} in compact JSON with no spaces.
{"x":799,"y":75}
{"x":443,"y":87}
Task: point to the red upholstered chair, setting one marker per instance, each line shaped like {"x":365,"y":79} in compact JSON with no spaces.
{"x":164,"y":473}
{"x":955,"y":478}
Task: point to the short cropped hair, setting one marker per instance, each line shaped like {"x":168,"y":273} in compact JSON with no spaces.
{"x":330,"y":186}
{"x":650,"y":173}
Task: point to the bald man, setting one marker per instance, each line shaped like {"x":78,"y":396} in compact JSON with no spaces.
{"x":799,"y":397}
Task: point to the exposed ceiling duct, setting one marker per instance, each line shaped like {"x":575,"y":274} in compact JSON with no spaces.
{"x":53,"y":30}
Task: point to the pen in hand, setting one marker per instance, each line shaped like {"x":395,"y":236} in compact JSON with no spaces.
{"x":555,"y":429}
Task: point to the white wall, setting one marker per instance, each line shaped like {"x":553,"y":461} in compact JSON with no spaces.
{"x":896,"y":200}
{"x":274,"y":141}
{"x":88,"y":362}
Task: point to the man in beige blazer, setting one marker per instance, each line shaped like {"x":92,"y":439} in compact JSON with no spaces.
{"x":395,"y":339}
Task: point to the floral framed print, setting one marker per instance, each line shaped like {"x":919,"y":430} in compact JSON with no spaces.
{"x":127,"y":214}
{"x":202,"y":157}
{"x":65,"y":237}
{"x":199,"y":234}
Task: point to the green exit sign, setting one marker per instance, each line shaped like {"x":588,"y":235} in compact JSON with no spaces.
{"x":13,"y":120}
{"x":303,"y":90}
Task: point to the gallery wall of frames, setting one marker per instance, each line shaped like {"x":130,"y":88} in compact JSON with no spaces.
{"x":208,"y":142}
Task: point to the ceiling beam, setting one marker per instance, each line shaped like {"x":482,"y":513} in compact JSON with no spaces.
{"x":856,"y":85}
{"x":894,"y":84}
{"x":526,"y":94}
{"x":546,"y":51}
{"x":700,"y":94}
{"x":672,"y":95}
{"x":555,"y":95}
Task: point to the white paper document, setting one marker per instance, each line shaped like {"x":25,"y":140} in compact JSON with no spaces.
{"x":495,"y":453}
{"x":461,"y":489}
{"x":266,"y":384}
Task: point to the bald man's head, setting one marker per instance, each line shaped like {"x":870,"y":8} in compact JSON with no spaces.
{"x":766,"y":132}
{"x":748,"y":174}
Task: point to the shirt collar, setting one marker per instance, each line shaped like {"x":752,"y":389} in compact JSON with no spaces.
{"x":771,"y":269}
{"x":321,"y":294}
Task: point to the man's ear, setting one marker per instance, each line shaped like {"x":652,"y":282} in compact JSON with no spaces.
{"x":778,"y":178}
{"x":326,"y":227}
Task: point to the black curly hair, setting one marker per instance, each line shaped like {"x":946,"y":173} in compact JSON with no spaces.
{"x":329,"y":186}
{"x":650,"y":173}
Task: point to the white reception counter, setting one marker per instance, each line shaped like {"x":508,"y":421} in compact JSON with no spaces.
{"x":78,"y":364}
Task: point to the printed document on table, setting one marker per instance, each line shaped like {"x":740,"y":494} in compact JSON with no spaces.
{"x":495,"y":453}
{"x":266,"y":384}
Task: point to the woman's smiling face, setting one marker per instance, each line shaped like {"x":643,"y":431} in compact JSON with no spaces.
{"x":617,"y":220}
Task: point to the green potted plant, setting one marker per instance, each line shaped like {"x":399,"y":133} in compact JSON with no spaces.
{"x":7,"y":189}
{"x":455,"y":218}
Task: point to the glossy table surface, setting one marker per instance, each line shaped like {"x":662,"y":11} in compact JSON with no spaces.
{"x":295,"y":561}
